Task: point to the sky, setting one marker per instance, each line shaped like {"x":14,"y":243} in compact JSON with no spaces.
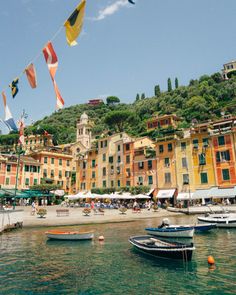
{"x":123,"y":50}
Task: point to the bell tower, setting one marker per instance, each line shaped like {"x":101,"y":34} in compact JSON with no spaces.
{"x":84,"y":131}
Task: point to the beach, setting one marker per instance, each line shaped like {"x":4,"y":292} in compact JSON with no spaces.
{"x":77,"y":217}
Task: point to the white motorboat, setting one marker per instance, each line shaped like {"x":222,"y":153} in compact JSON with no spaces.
{"x":226,"y":220}
{"x":69,"y":235}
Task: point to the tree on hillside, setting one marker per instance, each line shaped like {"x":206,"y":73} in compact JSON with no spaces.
{"x":157,"y":91}
{"x":169,"y":85}
{"x":137,"y":97}
{"x":143,"y":96}
{"x":112,"y":100}
{"x":117,"y":119}
{"x":176,"y":83}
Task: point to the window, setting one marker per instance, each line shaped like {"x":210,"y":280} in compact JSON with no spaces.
{"x":8,"y":168}
{"x":26,"y":168}
{"x":150,"y":179}
{"x":110,"y":159}
{"x":149,"y":164}
{"x":170,"y":147}
{"x":27,"y":181}
{"x":93,"y":163}
{"x":84,"y":165}
{"x":167,"y":162}
{"x":52,"y":173}
{"x":60,"y":162}
{"x":112,"y":183}
{"x":221,"y":140}
{"x":104,"y":157}
{"x":52,"y":160}
{"x":45,"y":174}
{"x":127,"y":183}
{"x":105,"y":143}
{"x":183,"y":146}
{"x":45,"y":160}
{"x":101,"y":144}
{"x":118,"y":148}
{"x":118,"y":183}
{"x":93,"y":174}
{"x":33,"y":169}
{"x":104,"y":183}
{"x":67,"y":163}
{"x":7,"y":181}
{"x":104,"y":172}
{"x":205,"y":142}
{"x":195,"y":143}
{"x":167,"y":177}
{"x":118,"y":170}
{"x":204,"y":178}
{"x":184,"y":163}
{"x":202,"y":159}
{"x":93,"y":185}
{"x":140,"y":165}
{"x":35,"y":181}
{"x":60,"y":174}
{"x":118,"y":159}
{"x":140,"y":180}
{"x":185,"y":179}
{"x":67,"y":173}
{"x":128,"y":173}
{"x":222,"y":156}
{"x":225,"y":174}
{"x":161,"y":148}
{"x":128,"y":159}
{"x":127,"y":147}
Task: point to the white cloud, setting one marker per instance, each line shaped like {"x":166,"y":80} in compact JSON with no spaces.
{"x":111,"y":9}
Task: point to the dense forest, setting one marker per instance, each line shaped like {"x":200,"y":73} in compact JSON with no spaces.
{"x":203,"y":99}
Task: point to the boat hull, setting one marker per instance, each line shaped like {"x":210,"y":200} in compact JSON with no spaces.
{"x":172,"y":232}
{"x":72,"y":236}
{"x":224,"y":220}
{"x":169,"y":250}
{"x":204,"y":227}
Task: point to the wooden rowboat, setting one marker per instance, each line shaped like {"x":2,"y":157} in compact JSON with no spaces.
{"x":69,"y":235}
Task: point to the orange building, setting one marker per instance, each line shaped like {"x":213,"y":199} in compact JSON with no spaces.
{"x":56,"y":166}
{"x":128,"y":172}
{"x":163,"y":122}
{"x":224,"y":151}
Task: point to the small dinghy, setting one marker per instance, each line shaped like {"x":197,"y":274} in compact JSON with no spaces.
{"x":162,"y":248}
{"x":69,"y":235}
{"x":226,"y":220}
{"x":171,"y":231}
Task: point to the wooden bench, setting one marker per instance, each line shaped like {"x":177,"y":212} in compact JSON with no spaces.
{"x":62,"y":212}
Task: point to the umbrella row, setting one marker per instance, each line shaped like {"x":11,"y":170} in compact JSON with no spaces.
{"x":89,"y":195}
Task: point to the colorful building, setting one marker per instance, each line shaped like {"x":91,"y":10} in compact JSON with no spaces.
{"x":163,"y":122}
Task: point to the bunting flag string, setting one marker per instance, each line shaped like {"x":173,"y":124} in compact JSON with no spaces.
{"x":9,"y":121}
{"x":73,"y":26}
{"x":52,"y":62}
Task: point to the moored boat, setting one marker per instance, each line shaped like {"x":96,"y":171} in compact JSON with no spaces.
{"x":162,"y":248}
{"x":204,"y":227}
{"x":172,"y":231}
{"x":69,"y":235}
{"x":226,"y":220}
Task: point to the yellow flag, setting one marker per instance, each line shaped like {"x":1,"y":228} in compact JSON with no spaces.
{"x":74,"y":23}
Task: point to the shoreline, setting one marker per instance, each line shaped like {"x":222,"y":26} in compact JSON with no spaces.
{"x":76,"y":217}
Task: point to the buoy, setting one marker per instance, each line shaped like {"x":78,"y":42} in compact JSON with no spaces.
{"x":101,"y":238}
{"x":211,"y":260}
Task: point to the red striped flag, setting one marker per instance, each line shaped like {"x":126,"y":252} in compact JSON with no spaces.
{"x":31,"y":75}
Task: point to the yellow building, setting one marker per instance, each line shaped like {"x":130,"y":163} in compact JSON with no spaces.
{"x":202,"y":157}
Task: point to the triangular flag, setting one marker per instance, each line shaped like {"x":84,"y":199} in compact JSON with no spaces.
{"x":74,"y":23}
{"x":9,"y":121}
{"x":31,"y":75}
{"x":14,"y":87}
{"x":52,"y":62}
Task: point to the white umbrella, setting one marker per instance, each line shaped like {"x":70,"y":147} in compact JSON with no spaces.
{"x":141,"y":196}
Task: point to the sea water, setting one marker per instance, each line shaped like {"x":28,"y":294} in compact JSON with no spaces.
{"x":31,"y":264}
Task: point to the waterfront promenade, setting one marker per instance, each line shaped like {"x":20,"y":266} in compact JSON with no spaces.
{"x":77,"y":217}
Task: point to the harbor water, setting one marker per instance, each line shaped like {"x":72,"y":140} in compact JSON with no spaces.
{"x":31,"y":264}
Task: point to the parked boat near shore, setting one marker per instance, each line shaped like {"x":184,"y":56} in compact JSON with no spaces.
{"x":69,"y":235}
{"x":204,"y":227}
{"x":226,"y":220}
{"x":172,"y":231}
{"x":162,"y":248}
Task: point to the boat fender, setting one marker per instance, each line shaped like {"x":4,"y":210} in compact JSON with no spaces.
{"x":101,"y":238}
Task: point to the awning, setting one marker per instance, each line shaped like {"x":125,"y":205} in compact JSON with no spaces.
{"x":165,"y":194}
{"x":58,"y":192}
{"x":216,"y":192}
{"x":151,"y":191}
{"x":201,"y":194}
{"x":184,"y":196}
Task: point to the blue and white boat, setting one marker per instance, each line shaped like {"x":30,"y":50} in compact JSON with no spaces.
{"x":172,"y":231}
{"x":204,"y":227}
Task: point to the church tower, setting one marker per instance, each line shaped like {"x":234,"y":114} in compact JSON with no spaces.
{"x":84,"y":131}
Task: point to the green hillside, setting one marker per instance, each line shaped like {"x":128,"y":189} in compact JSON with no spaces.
{"x":203,"y":99}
